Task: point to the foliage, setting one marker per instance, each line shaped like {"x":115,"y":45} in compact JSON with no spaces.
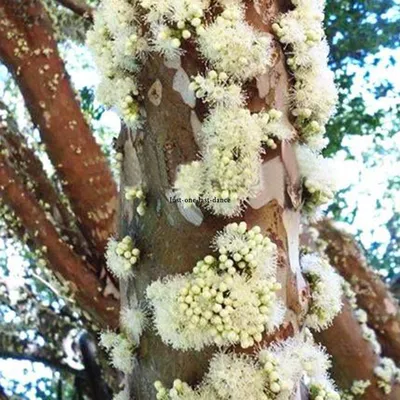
{"x":357,"y":30}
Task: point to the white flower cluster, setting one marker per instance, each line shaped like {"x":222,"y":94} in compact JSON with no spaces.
{"x":133,"y":322}
{"x":121,"y":256}
{"x":225,"y":300}
{"x":119,"y":46}
{"x":121,"y":350}
{"x":232,"y":139}
{"x":356,"y":390}
{"x":136,"y":193}
{"x":314,"y":94}
{"x":274,"y":374}
{"x":172,"y":22}
{"x":229,"y":172}
{"x":326,"y":291}
{"x":121,"y":347}
{"x":387,"y":373}
{"x":319,"y":178}
{"x":232,"y":46}
{"x":216,"y":89}
{"x":362,"y":317}
{"x":323,"y":391}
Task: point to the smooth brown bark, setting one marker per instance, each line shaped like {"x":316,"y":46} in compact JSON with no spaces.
{"x":373,"y":295}
{"x":30,"y":169}
{"x":29,"y":50}
{"x":84,"y":284}
{"x":78,"y":7}
{"x":353,"y":357}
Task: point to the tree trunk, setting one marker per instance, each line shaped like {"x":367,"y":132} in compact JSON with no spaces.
{"x":171,"y":244}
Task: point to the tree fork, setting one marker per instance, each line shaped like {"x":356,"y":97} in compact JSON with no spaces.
{"x":30,"y":52}
{"x":84,"y":283}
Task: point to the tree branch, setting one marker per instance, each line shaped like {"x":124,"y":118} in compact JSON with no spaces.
{"x":372,"y":294}
{"x":353,"y":356}
{"x":23,"y":159}
{"x":29,"y":50}
{"x":78,"y":7}
{"x":85,"y":285}
{"x":11,"y":346}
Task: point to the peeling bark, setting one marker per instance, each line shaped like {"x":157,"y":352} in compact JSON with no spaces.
{"x":168,"y":241}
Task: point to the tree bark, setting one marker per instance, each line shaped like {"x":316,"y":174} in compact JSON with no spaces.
{"x":79,"y":7}
{"x":28,"y":49}
{"x":353,"y":357}
{"x":30,"y":169}
{"x":373,"y":295}
{"x":171,"y":244}
{"x":84,"y":284}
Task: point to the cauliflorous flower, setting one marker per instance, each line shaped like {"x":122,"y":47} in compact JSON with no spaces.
{"x":314,"y":94}
{"x":226,"y":299}
{"x":326,"y":291}
{"x":133,"y":322}
{"x":234,"y":47}
{"x":318,"y":175}
{"x":121,"y":256}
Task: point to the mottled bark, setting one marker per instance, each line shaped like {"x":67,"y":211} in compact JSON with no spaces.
{"x":169,"y":243}
{"x":373,"y":294}
{"x":28,"y":48}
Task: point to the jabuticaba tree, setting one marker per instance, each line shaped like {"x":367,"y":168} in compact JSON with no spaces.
{"x":225,"y":104}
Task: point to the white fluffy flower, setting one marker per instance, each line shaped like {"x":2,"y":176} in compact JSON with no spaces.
{"x":326,"y":291}
{"x":189,"y":182}
{"x":229,"y":173}
{"x":234,"y":47}
{"x":108,"y":339}
{"x":236,"y":374}
{"x":273,"y":128}
{"x":122,"y":356}
{"x":119,"y":49}
{"x":133,"y":322}
{"x":223,"y":301}
{"x":319,"y":176}
{"x":119,"y":15}
{"x":216,"y":89}
{"x":174,"y":11}
{"x":231,"y":157}
{"x":314,"y":95}
{"x":121,"y":256}
{"x":387,"y":374}
{"x":274,"y":374}
{"x":286,"y":363}
{"x":164,"y":41}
